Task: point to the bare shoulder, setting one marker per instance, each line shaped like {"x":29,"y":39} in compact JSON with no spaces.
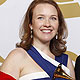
{"x":71,"y":68}
{"x":14,"y":61}
{"x":70,"y":64}
{"x":16,"y":54}
{"x":69,"y":60}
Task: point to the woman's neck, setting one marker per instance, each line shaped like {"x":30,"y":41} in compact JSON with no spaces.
{"x":42,"y":46}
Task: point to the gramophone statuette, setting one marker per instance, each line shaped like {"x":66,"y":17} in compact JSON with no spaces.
{"x":60,"y":73}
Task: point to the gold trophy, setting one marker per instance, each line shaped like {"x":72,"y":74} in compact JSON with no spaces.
{"x":60,"y":73}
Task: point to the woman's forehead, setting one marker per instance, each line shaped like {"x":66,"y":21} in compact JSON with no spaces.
{"x":44,"y":8}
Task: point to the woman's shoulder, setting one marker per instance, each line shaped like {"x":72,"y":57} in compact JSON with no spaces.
{"x":63,"y":55}
{"x":15,"y":58}
{"x":14,"y":61}
{"x":17,"y":53}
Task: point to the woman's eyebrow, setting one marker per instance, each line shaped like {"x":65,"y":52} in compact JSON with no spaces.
{"x":40,"y":15}
{"x":54,"y":15}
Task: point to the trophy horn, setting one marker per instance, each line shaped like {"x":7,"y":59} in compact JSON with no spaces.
{"x":60,"y":73}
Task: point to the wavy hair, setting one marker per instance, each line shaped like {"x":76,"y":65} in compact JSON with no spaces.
{"x":57,"y":46}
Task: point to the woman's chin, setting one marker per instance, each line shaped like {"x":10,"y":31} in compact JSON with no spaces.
{"x":46,"y":40}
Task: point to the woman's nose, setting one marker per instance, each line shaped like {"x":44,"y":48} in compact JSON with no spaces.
{"x":47,"y":23}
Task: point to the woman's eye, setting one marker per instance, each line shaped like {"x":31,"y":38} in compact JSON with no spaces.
{"x":53,"y":18}
{"x":41,"y":18}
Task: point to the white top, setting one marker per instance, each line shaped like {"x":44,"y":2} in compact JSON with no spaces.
{"x":43,"y":74}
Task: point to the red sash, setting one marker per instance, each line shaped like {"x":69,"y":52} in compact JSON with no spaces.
{"x":4,"y":76}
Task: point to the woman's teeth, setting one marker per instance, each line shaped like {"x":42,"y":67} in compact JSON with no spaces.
{"x":46,"y":31}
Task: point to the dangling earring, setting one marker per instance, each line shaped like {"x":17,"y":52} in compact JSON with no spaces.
{"x":31,"y":31}
{"x":57,"y":35}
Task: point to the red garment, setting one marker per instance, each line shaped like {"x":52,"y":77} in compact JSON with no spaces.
{"x":4,"y":76}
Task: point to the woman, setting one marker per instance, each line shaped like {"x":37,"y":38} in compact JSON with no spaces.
{"x":42,"y":46}
{"x":77,"y":68}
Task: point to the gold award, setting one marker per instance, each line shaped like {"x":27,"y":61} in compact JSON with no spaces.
{"x":69,"y":8}
{"x":2,"y":1}
{"x":60,"y":73}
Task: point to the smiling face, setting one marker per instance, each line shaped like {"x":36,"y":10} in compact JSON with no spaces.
{"x":44,"y":22}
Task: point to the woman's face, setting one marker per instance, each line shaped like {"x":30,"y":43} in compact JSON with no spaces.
{"x":44,"y":22}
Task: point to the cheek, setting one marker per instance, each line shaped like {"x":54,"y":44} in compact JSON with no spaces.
{"x":56,"y":25}
{"x":37,"y":25}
